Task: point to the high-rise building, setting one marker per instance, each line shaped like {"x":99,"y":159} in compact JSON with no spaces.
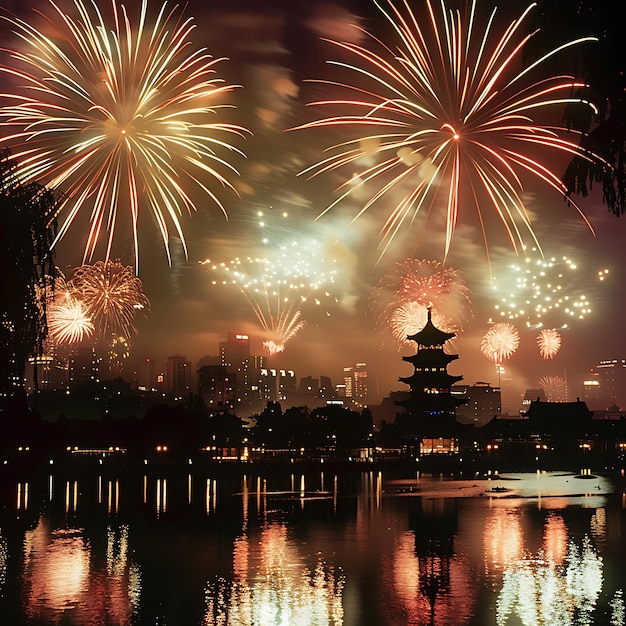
{"x":360,"y":382}
{"x":83,"y":367}
{"x":235,"y":351}
{"x":354,"y":383}
{"x":348,"y":382}
{"x":216,"y":386}
{"x":326,"y":388}
{"x":605,"y":386}
{"x":178,"y":376}
{"x":309,"y":386}
{"x":287,"y":384}
{"x":235,"y":356}
{"x":482,"y":403}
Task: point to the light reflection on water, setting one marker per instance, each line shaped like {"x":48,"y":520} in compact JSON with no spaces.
{"x":312,"y":549}
{"x":540,"y":591}
{"x":271,"y":585}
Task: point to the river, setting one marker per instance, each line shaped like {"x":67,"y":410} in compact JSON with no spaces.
{"x":256,"y":547}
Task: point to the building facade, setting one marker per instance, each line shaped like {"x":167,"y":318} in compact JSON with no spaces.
{"x":605,"y":387}
{"x":178,"y":376}
{"x":481,"y":403}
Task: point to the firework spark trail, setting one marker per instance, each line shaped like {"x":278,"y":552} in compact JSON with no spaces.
{"x":549,"y":342}
{"x":112,"y":295}
{"x":292,"y":270}
{"x":299,"y":259}
{"x":274,"y":299}
{"x":448,"y":115}
{"x":500,"y":342}
{"x":411,"y":287}
{"x":114,"y":114}
{"x":544,"y":290}
{"x":281,"y":329}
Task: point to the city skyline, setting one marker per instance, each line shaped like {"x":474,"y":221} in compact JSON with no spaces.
{"x":273,"y":51}
{"x":244,"y":382}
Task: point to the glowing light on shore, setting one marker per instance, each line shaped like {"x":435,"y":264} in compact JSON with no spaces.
{"x":115,"y":110}
{"x":441,"y":114}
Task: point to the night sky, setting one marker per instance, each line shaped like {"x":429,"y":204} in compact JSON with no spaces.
{"x":273,"y":48}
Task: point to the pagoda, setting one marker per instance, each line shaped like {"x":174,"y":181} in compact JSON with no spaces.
{"x":430,"y":407}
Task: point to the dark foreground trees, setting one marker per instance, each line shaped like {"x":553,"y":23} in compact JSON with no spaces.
{"x":27,"y":227}
{"x":602,"y":65}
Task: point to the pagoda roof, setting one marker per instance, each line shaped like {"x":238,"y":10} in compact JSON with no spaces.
{"x":430,"y":358}
{"x":430,"y":335}
{"x":430,"y":379}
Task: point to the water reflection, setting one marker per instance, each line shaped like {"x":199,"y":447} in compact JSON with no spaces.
{"x":273,"y":585}
{"x":432,"y":578}
{"x":56,"y":568}
{"x":555,"y":539}
{"x":22,"y":496}
{"x":71,"y":496}
{"x":187,"y":547}
{"x":3,"y":562}
{"x":63,"y":575}
{"x":540,"y":592}
{"x":502,"y":539}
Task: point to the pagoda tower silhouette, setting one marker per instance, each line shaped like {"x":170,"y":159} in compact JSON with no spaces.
{"x":430,"y":407}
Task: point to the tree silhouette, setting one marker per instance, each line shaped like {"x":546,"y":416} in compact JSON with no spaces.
{"x":602,"y":65}
{"x":27,"y":227}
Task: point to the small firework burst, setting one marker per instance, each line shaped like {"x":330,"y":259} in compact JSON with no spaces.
{"x":555,"y":388}
{"x":549,"y":342}
{"x":500,"y":342}
{"x":410,"y":288}
{"x":112,"y":295}
{"x":68,"y":320}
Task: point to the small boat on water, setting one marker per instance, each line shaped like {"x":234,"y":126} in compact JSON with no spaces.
{"x":497,"y":490}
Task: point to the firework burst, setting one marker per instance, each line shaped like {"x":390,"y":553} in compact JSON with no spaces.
{"x":549,"y":342}
{"x":274,"y":298}
{"x":68,"y":321}
{"x":500,"y":342}
{"x":119,"y":351}
{"x":113,"y":296}
{"x":555,"y":388}
{"x":544,"y":290}
{"x":303,"y":261}
{"x":291,"y":271}
{"x":442,"y":114}
{"x":406,"y":292}
{"x":408,"y":319}
{"x":114,"y":113}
